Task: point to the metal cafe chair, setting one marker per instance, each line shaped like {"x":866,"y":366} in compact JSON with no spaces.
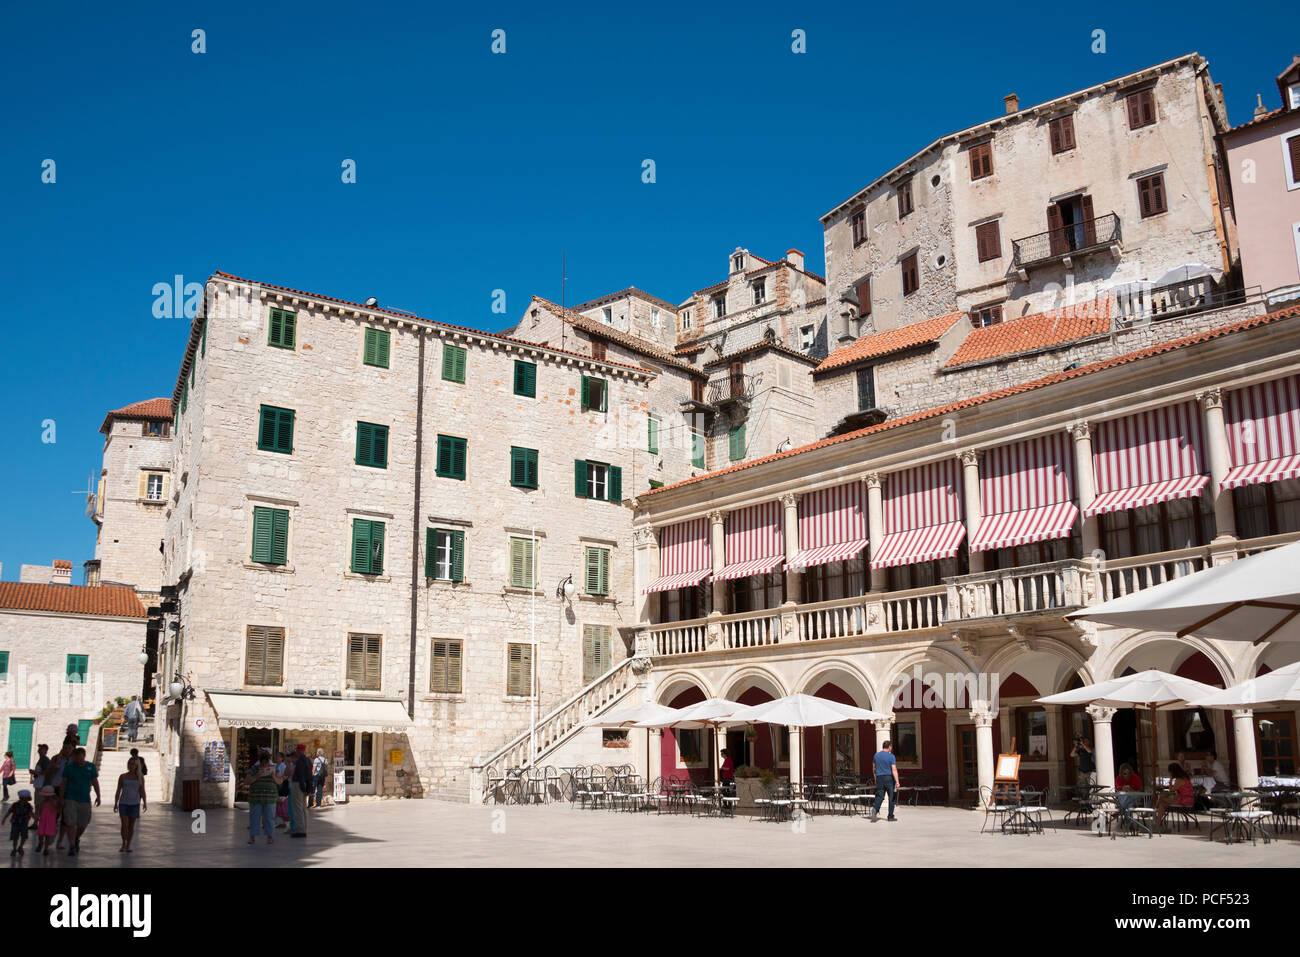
{"x":997,"y":808}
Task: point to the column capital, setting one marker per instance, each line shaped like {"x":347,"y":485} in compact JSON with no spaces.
{"x":791,"y":499}
{"x":1081,"y":429}
{"x":1210,"y":398}
{"x":1243,"y":713}
{"x":970,"y":457}
{"x":981,"y":716}
{"x":643,"y":536}
{"x":717,"y":517}
{"x":882,"y":726}
{"x":872,"y":479}
{"x":1100,"y":714}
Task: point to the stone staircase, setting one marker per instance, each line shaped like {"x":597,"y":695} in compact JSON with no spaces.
{"x":553,"y":729}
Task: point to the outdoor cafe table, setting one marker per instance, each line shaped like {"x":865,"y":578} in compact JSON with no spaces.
{"x":1137,"y":807}
{"x":1025,"y":812}
{"x":1234,"y":819}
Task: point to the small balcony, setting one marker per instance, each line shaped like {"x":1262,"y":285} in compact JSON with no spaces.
{"x":735,"y":390}
{"x":1065,"y":243}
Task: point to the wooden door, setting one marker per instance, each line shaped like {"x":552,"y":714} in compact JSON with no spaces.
{"x":1275,"y":742}
{"x":843,"y":752}
{"x":968,"y":772}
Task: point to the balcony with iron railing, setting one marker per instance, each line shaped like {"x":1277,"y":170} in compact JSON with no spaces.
{"x":1076,"y":239}
{"x":1024,"y":595}
{"x":734,"y":387}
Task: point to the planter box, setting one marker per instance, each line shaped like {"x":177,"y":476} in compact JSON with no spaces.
{"x":746,"y":790}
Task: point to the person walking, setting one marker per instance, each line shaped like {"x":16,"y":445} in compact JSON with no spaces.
{"x":302,"y":786}
{"x":886,"y":767}
{"x":47,"y":820}
{"x":22,"y":815}
{"x":144,"y":768}
{"x":129,"y":801}
{"x":70,"y":738}
{"x":7,"y":772}
{"x":727,"y":774}
{"x":319,"y":769}
{"x":263,"y":794}
{"x":37,"y":772}
{"x":281,"y":790}
{"x":134,"y":714}
{"x":54,"y":778}
{"x":79,"y":777}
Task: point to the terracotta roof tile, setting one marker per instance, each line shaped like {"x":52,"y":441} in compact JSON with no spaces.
{"x":623,"y":294}
{"x":635,"y":343}
{"x":116,"y":601}
{"x":148,"y":409}
{"x":1036,"y":331}
{"x":1149,"y":351}
{"x":890,"y":341}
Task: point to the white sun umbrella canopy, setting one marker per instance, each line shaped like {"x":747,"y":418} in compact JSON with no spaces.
{"x":1280,"y":689}
{"x":802,"y":711}
{"x":629,"y":717}
{"x":1253,"y":599}
{"x":1184,"y":273}
{"x":710,"y":713}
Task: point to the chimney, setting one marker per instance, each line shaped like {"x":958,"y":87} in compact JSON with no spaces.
{"x":61,"y":573}
{"x":1260,"y":108}
{"x":1013,"y":103}
{"x":795,"y":258}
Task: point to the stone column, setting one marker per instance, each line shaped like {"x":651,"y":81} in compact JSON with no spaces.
{"x":645,"y":568}
{"x":883,"y":729}
{"x":876,"y":529}
{"x":1243,"y":737}
{"x":1103,"y":747}
{"x":1216,"y":451}
{"x":970,"y":480}
{"x":796,"y":757}
{"x":719,"y":553}
{"x":982,"y":718}
{"x":1086,"y":483}
{"x":793,"y":579}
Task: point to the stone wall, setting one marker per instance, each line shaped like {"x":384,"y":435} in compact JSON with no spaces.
{"x":132,"y":526}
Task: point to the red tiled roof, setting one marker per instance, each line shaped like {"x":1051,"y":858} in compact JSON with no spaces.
{"x":1036,"y":331}
{"x":148,"y":409}
{"x":1258,"y":120}
{"x":622,"y":294}
{"x":410,"y":315}
{"x":115,"y":601}
{"x":1053,"y":379}
{"x":62,"y":563}
{"x":890,"y":341}
{"x":597,"y":328}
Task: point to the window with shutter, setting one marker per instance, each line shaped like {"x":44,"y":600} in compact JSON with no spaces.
{"x":981,"y":160}
{"x":904,"y":192}
{"x":736,"y":442}
{"x":652,"y":435}
{"x":1060,"y":133}
{"x":4,"y":665}
{"x":597,"y":570}
{"x":367,"y":547}
{"x":363,"y":662}
{"x":275,"y":433}
{"x":599,"y":349}
{"x":1292,"y":150}
{"x":697,"y":449}
{"x":866,"y":388}
{"x":911,"y":275}
{"x":453,"y":453}
{"x":864,"y":297}
{"x":270,"y":535}
{"x":282,"y":329}
{"x":523,"y":467}
{"x":988,"y":241}
{"x":594,"y":394}
{"x":522,"y":561}
{"x":526,"y":378}
{"x":519,"y":670}
{"x":598,"y":481}
{"x":597,"y":652}
{"x":1141,"y":109}
{"x":372,"y":445}
{"x":77,"y":666}
{"x":445,"y":668}
{"x":858,"y":223}
{"x":375,"y":348}
{"x":185,"y":395}
{"x":264,"y":656}
{"x":453,"y":363}
{"x":1151,"y":195}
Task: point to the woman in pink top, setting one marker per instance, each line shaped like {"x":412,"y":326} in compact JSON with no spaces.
{"x":1181,"y":793}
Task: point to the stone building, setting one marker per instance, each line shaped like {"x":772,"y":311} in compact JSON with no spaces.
{"x":65,"y":650}
{"x":1264,"y":157}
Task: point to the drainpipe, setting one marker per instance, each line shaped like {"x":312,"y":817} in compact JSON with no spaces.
{"x":415,"y":525}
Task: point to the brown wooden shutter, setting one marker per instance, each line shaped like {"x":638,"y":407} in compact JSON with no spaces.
{"x":1293,"y":147}
{"x":1055,"y":230}
{"x":1134,"y":111}
{"x":864,"y":297}
{"x":988,"y":241}
{"x":255,"y":664}
{"x":1089,"y":223}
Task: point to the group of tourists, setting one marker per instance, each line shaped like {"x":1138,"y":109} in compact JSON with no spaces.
{"x":60,"y":809}
{"x":281,"y":788}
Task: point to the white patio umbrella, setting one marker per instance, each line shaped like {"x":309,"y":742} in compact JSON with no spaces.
{"x":1151,"y":689}
{"x":1275,"y":690}
{"x":1253,"y":599}
{"x":710,"y":713}
{"x":628,"y":718}
{"x":1184,"y":273}
{"x":802,"y":711}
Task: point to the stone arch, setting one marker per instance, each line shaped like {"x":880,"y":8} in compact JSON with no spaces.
{"x":933,"y":653}
{"x":1008,"y":654}
{"x":1278,"y":654}
{"x":1138,"y":640}
{"x":674,"y":683}
{"x":823,"y":670}
{"x":755,"y":675}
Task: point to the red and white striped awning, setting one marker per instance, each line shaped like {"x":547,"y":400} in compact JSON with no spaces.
{"x":923,"y":515}
{"x":1148,"y":458}
{"x":832,"y":525}
{"x":1026,"y":490}
{"x":683,"y":556}
{"x":1263,"y":422}
{"x":753,"y":541}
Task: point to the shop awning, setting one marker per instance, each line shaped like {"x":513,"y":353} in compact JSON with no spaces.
{"x":671,"y":582}
{"x":759,"y":566}
{"x":919,"y":545}
{"x":292,"y":712}
{"x":1263,"y":422}
{"x":1141,"y":495}
{"x":1025,"y":527}
{"x":683,"y":556}
{"x":1147,"y":458}
{"x":840,"y":552}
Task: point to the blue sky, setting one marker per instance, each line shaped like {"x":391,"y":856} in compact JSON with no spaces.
{"x":474,"y":170}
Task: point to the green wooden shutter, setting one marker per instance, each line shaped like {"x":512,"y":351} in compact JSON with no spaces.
{"x":460,"y":453}
{"x":255,"y":656}
{"x":263,"y":527}
{"x":593,"y":570}
{"x":284,"y":431}
{"x":430,"y":552}
{"x":375,"y":350}
{"x":379,"y":446}
{"x":525,"y":378}
{"x":519,"y":677}
{"x":203,"y":341}
{"x":523,"y":571}
{"x":697,"y":450}
{"x":444,"y":455}
{"x":580,"y":478}
{"x":652,"y":435}
{"x":518,"y":472}
{"x":376,"y":548}
{"x":604,"y":571}
{"x":737,"y":442}
{"x":367,"y":547}
{"x":445,"y":674}
{"x":279,"y":536}
{"x":275,"y":433}
{"x":614,"y":484}
{"x":458,"y":556}
{"x":282,"y":329}
{"x":363,"y":443}
{"x":586,"y":392}
{"x":4,"y":666}
{"x":76,"y":667}
{"x":453,"y":363}
{"x":185,"y":395}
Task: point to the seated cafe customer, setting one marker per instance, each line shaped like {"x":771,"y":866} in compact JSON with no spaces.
{"x":1126,"y":783}
{"x":1180,"y":793}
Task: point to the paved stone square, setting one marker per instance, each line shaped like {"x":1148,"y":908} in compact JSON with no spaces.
{"x":434,"y":833}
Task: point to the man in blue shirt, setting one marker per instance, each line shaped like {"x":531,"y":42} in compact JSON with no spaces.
{"x":886,"y":780}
